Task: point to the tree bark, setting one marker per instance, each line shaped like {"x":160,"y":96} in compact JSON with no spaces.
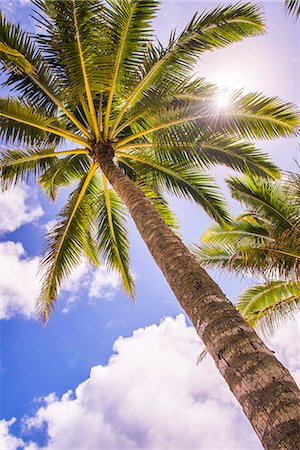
{"x":265,"y":389}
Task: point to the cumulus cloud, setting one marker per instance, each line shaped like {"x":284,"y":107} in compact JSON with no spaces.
{"x":18,"y":206}
{"x":150,"y":395}
{"x":104,"y":284}
{"x":20,"y":283}
{"x":8,"y":440}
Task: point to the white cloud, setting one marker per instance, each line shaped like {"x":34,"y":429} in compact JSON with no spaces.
{"x":151,"y":395}
{"x":18,"y":206}
{"x":104,"y":283}
{"x":9,"y":441}
{"x":19,"y":285}
{"x":286,"y":342}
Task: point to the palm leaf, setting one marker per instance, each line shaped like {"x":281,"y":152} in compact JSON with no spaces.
{"x":17,"y":165}
{"x":181,"y":181}
{"x":292,"y":7}
{"x":265,"y":306}
{"x":215,"y":29}
{"x":112,"y":235}
{"x":235,"y":154}
{"x":74,"y":40}
{"x":63,"y":173}
{"x":22,"y":123}
{"x":28,"y":73}
{"x":67,"y":241}
{"x":130,"y":25}
{"x":255,"y":116}
{"x":264,"y":197}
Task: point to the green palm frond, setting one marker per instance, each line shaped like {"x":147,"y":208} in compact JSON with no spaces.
{"x":67,"y":241}
{"x":243,"y":230}
{"x":235,"y":154}
{"x":266,"y":198}
{"x":21,"y":60}
{"x":292,"y":7}
{"x":112,"y":235}
{"x":252,"y":116}
{"x":64,"y":172}
{"x":131,"y":31}
{"x":266,"y":306}
{"x":181,"y":181}
{"x":17,"y":165}
{"x":72,"y":33}
{"x":24,"y":124}
{"x":264,"y":241}
{"x":218,"y":28}
{"x":255,"y":116}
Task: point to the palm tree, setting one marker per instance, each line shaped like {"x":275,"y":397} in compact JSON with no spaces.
{"x":292,"y":7}
{"x":142,"y":126}
{"x":263,"y":241}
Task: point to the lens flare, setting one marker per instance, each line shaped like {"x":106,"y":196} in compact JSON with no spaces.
{"x":223,"y":100}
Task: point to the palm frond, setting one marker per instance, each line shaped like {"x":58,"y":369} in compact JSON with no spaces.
{"x":181,"y":181}
{"x":63,"y":173}
{"x":18,"y":165}
{"x":255,"y":116}
{"x":67,"y":241}
{"x":215,"y":29}
{"x":130,"y":27}
{"x":265,"y":306}
{"x":292,"y":7}
{"x":264,"y":197}
{"x":27,"y":73}
{"x":73,"y":33}
{"x":21,"y":59}
{"x":244,"y":230}
{"x":236,"y":154}
{"x":112,"y":235}
{"x":24,"y":124}
{"x":252,"y":116}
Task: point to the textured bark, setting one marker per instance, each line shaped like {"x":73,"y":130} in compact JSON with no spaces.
{"x":265,"y":389}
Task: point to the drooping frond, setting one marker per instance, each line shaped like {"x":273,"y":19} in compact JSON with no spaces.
{"x":17,"y":165}
{"x":28,"y":73}
{"x":235,"y":154}
{"x":265,"y":197}
{"x":266,"y":306}
{"x":243,"y":230}
{"x":22,"y":60}
{"x":112,"y":235}
{"x":292,"y":7}
{"x":67,"y":241}
{"x":180,"y":181}
{"x":255,"y":116}
{"x":264,"y":241}
{"x":64,"y":172}
{"x":252,"y":116}
{"x":24,"y":124}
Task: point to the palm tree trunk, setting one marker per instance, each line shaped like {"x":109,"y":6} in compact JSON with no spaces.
{"x":265,"y":389}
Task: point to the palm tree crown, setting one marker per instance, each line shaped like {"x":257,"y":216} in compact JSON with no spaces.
{"x":94,"y":77}
{"x":265,"y":241}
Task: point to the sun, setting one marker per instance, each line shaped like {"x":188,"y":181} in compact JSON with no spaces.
{"x":223,"y":99}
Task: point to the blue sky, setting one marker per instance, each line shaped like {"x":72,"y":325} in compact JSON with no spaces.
{"x":150,"y":393}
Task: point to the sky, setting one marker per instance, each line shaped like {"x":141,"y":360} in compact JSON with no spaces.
{"x":107,"y":373}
